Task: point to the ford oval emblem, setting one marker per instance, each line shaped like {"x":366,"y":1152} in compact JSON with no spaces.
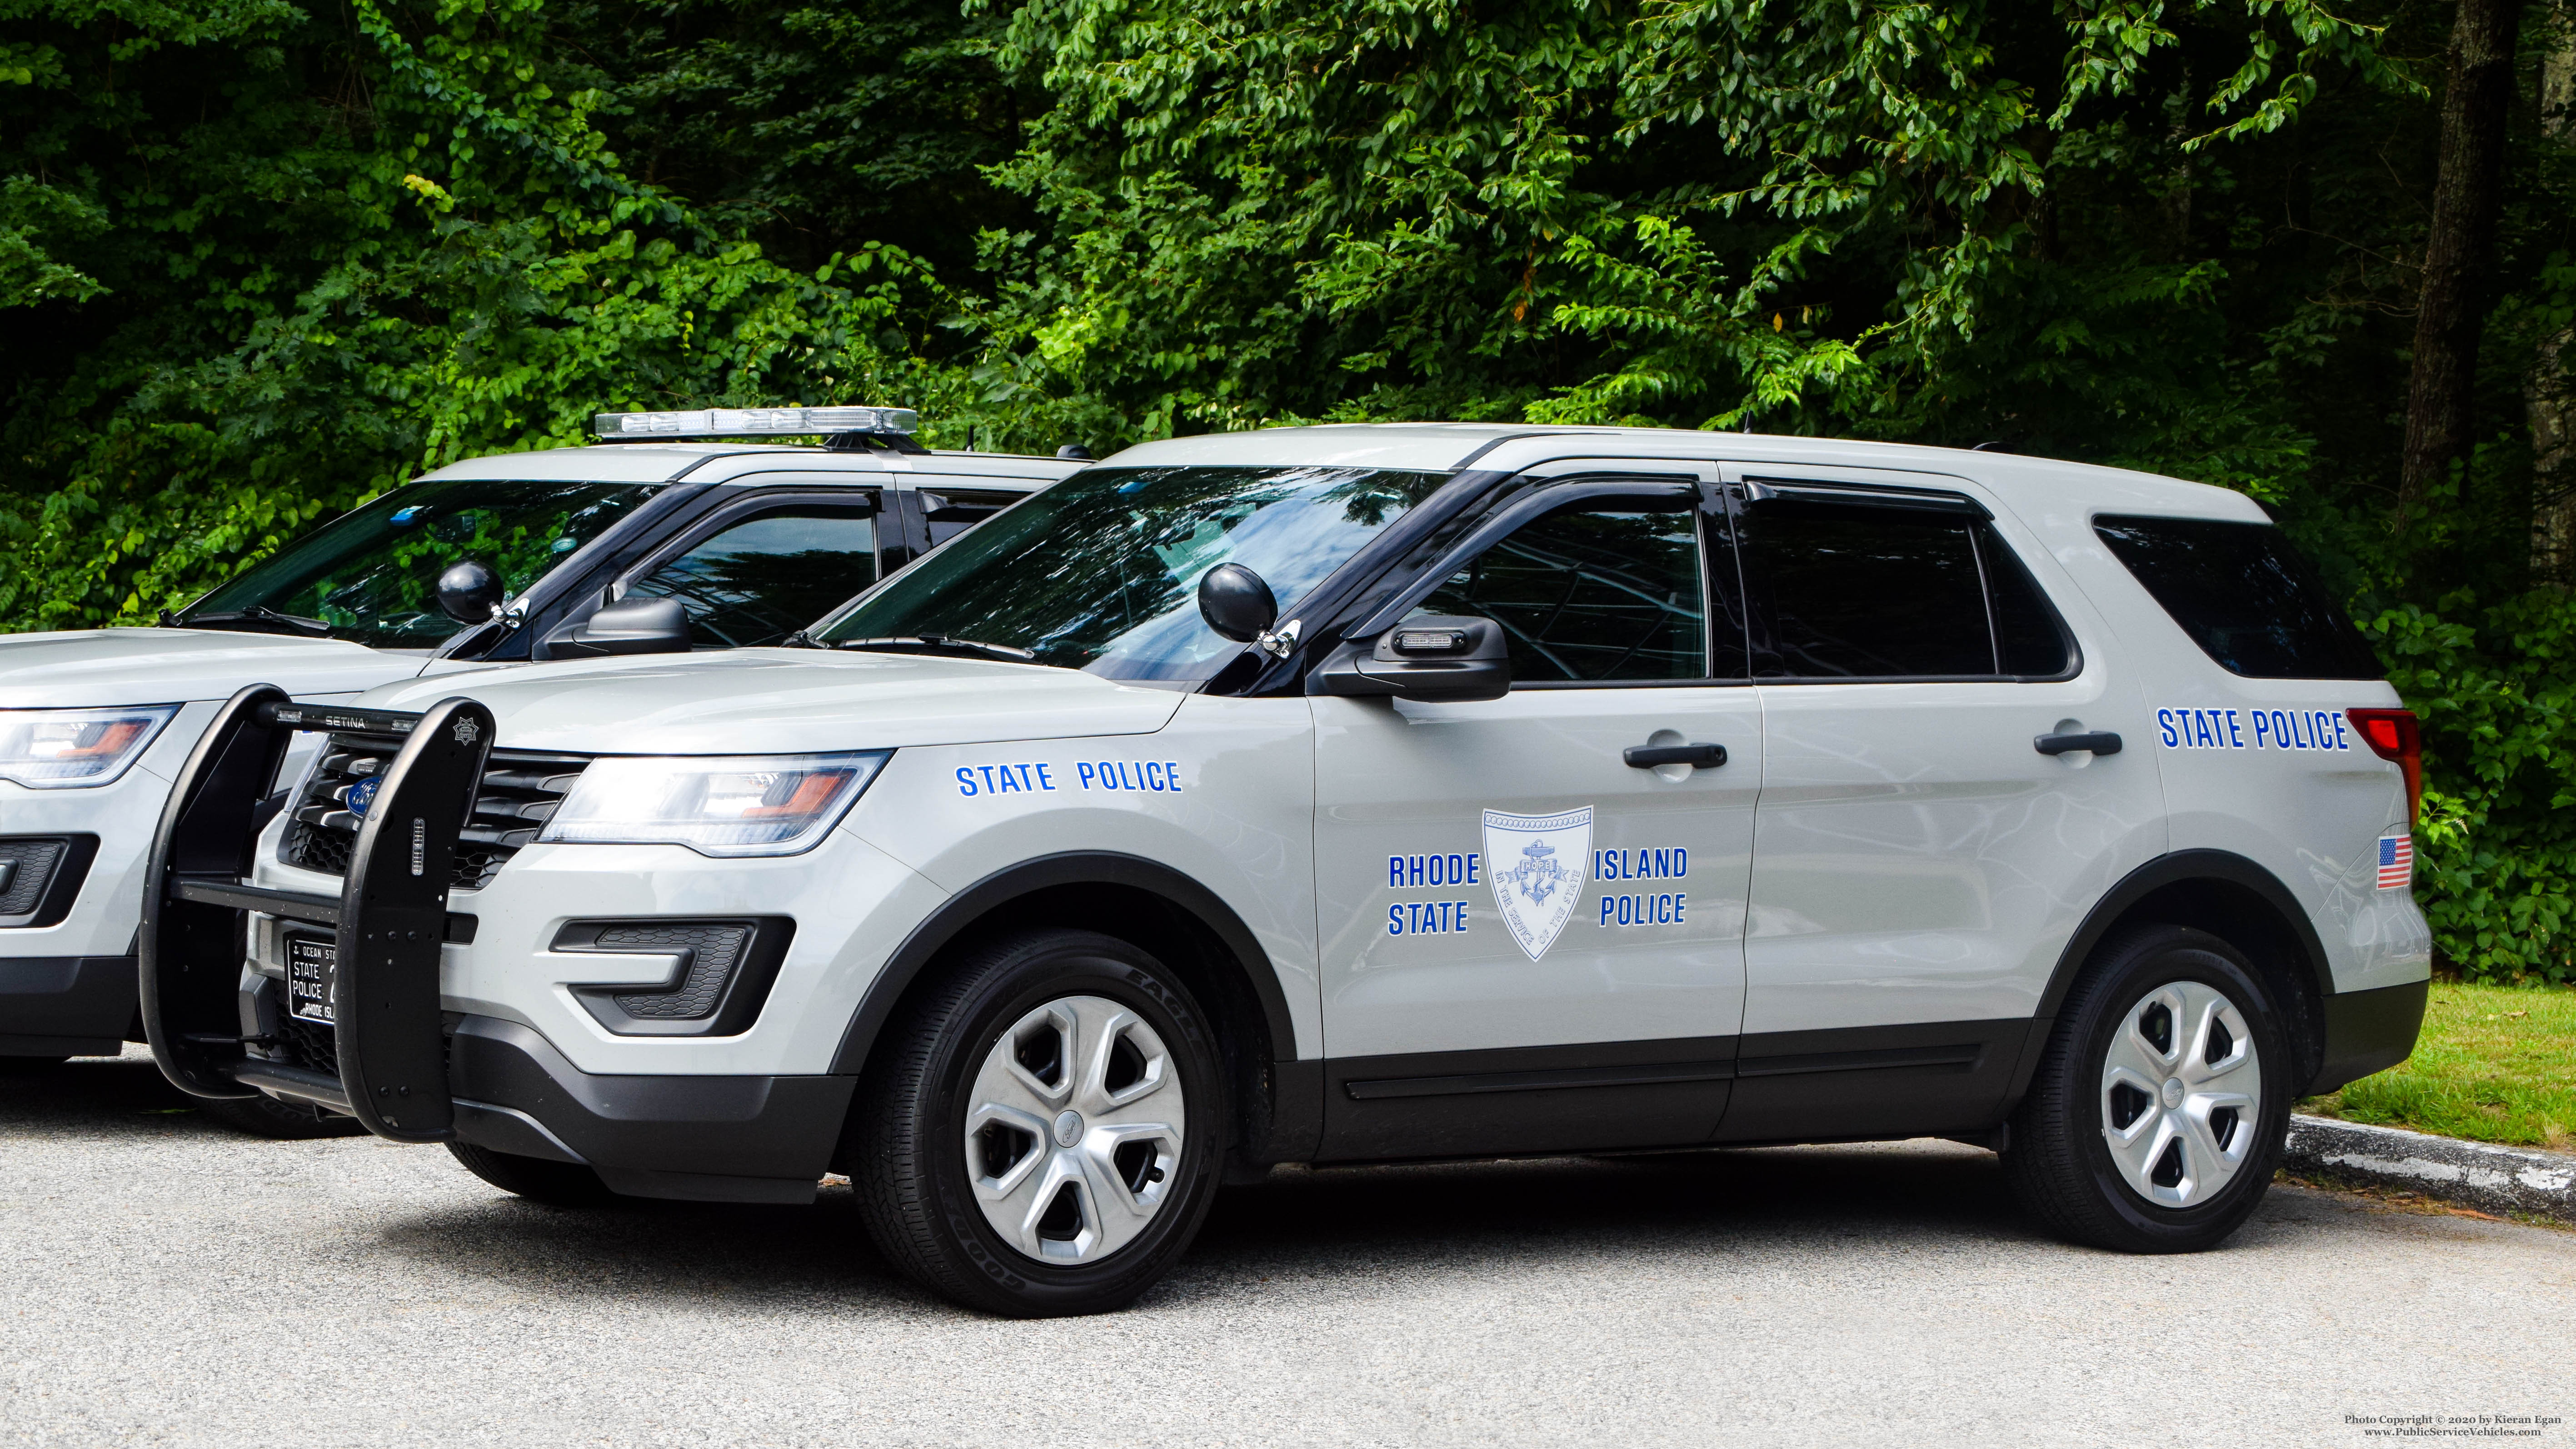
{"x":363,"y":794}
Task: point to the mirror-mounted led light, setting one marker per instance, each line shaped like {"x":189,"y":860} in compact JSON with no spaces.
{"x":69,"y":749}
{"x":753,"y":422}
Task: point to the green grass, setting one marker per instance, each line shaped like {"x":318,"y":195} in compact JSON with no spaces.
{"x":2495,"y":1063}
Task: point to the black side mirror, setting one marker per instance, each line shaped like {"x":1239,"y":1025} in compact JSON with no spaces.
{"x":1448,"y":657}
{"x":469,"y":592}
{"x":640,"y":625}
{"x":1237,"y":603}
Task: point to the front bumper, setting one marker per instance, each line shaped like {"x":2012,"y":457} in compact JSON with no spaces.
{"x":65,"y":1006}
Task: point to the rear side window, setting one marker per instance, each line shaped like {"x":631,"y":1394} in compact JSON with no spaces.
{"x":2244,"y":595}
{"x":1869,"y":591}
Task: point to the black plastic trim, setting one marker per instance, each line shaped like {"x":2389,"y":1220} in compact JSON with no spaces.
{"x":738,"y":1002}
{"x":63,"y":886}
{"x":2369,"y":1031}
{"x":1872,"y":1083}
{"x":1505,"y":1101}
{"x":81,"y":1003}
{"x":707,"y":1139}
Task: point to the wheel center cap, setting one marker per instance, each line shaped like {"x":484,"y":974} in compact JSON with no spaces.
{"x":2172,"y":1094}
{"x":1068,"y":1125}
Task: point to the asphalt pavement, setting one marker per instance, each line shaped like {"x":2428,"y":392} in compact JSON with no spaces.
{"x":165,"y":1282}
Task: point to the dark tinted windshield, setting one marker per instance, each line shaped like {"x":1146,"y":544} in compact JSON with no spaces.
{"x":1101,"y":571}
{"x":2244,"y":595}
{"x":369,"y":574}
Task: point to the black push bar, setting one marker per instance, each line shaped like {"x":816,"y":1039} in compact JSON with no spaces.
{"x":388,"y":922}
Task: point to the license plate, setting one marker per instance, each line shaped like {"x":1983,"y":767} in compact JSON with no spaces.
{"x":312,"y":978}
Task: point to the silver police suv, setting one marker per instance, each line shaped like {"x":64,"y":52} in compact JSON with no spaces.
{"x":1358,"y":794}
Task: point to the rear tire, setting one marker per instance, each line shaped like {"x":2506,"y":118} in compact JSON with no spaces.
{"x":265,"y":1116}
{"x":1040,"y":1134}
{"x":2156,"y":1117}
{"x":556,"y":1184}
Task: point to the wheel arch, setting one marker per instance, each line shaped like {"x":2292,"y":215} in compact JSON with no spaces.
{"x":2230,"y":897}
{"x":1278,"y":1104}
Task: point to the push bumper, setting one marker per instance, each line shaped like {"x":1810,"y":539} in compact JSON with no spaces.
{"x":394,"y":1059}
{"x":2369,"y":1031}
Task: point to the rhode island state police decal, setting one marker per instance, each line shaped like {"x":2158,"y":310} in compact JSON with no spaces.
{"x":1538,"y":864}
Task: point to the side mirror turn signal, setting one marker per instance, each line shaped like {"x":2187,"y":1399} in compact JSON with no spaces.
{"x":1430,"y":657}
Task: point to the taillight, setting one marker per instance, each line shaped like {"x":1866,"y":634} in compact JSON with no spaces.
{"x":2393,"y":735}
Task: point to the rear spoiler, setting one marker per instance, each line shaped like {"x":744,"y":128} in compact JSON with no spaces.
{"x":389,"y":919}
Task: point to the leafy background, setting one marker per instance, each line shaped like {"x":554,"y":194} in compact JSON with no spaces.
{"x":260,"y":259}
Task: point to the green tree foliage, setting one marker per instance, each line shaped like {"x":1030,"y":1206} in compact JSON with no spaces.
{"x":260,"y":257}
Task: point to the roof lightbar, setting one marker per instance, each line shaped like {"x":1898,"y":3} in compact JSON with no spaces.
{"x":748,"y":422}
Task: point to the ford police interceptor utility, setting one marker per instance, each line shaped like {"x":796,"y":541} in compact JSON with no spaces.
{"x":523,"y":556}
{"x":1347,"y":794}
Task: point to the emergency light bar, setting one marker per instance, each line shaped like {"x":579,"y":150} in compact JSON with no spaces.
{"x":743,"y":422}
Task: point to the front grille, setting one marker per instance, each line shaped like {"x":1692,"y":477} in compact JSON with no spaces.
{"x":307,"y":1044}
{"x":713,"y":950}
{"x":520,"y":792}
{"x":28,"y":863}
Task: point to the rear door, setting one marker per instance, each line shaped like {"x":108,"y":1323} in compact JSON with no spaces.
{"x":1919,"y":863}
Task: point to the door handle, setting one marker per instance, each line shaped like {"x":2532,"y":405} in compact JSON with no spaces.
{"x":2100,"y":742}
{"x":1706,"y":757}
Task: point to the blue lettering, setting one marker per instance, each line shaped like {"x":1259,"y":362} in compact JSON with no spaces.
{"x":2235,"y":731}
{"x":1608,"y":904}
{"x":1043,"y":782}
{"x":1395,"y":920}
{"x":2262,"y":724}
{"x":989,"y":787}
{"x":1681,"y":861}
{"x":1471,"y":868}
{"x":966,"y":780}
{"x":1082,"y":771}
{"x":1172,"y":772}
{"x":2343,"y":740}
{"x":1395,"y":872}
{"x":2164,"y":726}
{"x":1009,"y":781}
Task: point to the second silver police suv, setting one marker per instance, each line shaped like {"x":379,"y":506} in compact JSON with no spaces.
{"x":1353,"y":794}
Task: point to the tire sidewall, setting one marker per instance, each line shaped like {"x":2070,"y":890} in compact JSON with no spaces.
{"x":2208,"y":962}
{"x":1053,"y":969}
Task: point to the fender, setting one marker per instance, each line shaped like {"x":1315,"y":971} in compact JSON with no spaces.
{"x":1296,"y":1088}
{"x":2179,"y":868}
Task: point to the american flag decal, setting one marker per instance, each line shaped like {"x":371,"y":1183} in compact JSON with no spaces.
{"x":2396,"y":862}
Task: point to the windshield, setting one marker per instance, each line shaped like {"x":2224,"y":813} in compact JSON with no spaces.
{"x":369,"y":575}
{"x":1101,"y":571}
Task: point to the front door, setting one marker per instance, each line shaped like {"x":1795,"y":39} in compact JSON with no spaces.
{"x":1529,"y":943}
{"x":1919,"y":862}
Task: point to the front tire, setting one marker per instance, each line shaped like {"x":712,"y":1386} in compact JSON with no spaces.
{"x":2156,"y":1117}
{"x":1040,"y":1136}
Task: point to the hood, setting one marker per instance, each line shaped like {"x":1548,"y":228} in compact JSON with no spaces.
{"x":174,"y":666}
{"x":788,"y":701}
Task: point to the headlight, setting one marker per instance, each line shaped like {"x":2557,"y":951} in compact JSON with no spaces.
{"x":65,"y":749}
{"x":714,"y":805}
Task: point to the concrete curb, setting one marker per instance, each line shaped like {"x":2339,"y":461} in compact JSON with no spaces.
{"x":2476,"y":1175}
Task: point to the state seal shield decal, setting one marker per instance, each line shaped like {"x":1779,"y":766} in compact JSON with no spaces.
{"x":1538,"y":864}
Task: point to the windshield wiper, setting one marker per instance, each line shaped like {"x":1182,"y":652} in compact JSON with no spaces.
{"x":257,"y":619}
{"x":939,"y":644}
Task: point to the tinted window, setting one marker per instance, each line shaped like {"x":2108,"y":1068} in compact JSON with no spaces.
{"x":1857,"y":591}
{"x":2243,"y":594}
{"x":762,"y":579}
{"x":1101,"y":571}
{"x":370,"y":575}
{"x":1593,"y":594}
{"x":2028,"y":638}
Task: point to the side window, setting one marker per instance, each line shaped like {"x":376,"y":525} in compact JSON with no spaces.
{"x":1608,"y":590}
{"x":2244,"y":595}
{"x":1870,"y":591}
{"x":761,"y":579}
{"x":952,"y":511}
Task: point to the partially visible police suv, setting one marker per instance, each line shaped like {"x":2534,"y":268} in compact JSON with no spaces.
{"x":524,"y":556}
{"x":1350,"y":794}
